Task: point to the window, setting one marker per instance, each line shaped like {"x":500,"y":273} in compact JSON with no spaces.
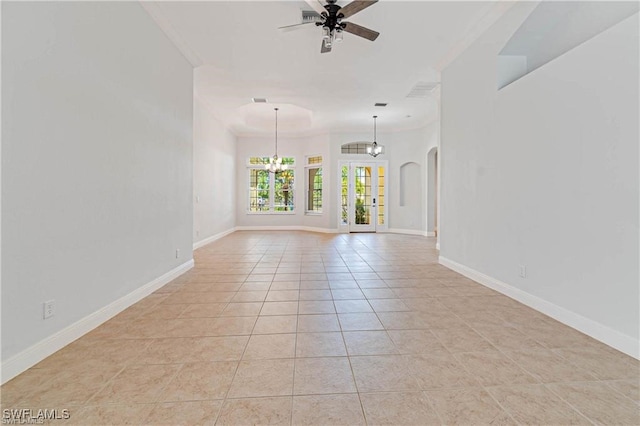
{"x":270,"y":193}
{"x":259,"y":184}
{"x":345,"y":195}
{"x":380,"y":195}
{"x":355,"y":148}
{"x":314,"y":184}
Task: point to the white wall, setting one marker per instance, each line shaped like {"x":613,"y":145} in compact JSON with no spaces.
{"x":96,"y":162}
{"x":544,"y":173}
{"x":214,"y":176}
{"x":410,"y":147}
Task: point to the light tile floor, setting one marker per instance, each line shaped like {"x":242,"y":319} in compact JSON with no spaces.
{"x":304,"y":328}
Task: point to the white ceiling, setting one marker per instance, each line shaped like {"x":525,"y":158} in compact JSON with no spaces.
{"x":239,"y":54}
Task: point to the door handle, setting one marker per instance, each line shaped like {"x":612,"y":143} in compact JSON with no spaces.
{"x":374,"y":202}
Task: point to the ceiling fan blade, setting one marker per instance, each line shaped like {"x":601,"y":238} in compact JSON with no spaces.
{"x":324,"y":48}
{"x":317,"y":6}
{"x":358,"y":30}
{"x":355,"y":7}
{"x":288,"y":28}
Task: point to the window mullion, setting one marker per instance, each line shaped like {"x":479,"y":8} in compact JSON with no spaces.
{"x":272,"y":192}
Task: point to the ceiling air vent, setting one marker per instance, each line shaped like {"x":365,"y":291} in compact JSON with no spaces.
{"x":259,"y":100}
{"x":380,"y":104}
{"x":422,"y":89}
{"x":310,"y":16}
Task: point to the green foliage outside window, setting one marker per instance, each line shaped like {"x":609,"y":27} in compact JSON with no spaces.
{"x":270,"y":192}
{"x":283,"y":197}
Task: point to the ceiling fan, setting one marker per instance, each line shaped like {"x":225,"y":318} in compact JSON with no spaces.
{"x":331,"y":20}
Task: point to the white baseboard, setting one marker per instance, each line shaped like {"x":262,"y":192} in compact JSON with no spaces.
{"x":598,"y":331}
{"x":321,"y":230}
{"x":212,"y":238}
{"x":39,"y":351}
{"x":286,"y":228}
{"x":328,"y":230}
{"x":431,"y":233}
{"x":408,"y":232}
{"x":438,"y":245}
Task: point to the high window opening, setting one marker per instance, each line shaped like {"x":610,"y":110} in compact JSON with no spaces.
{"x":357,"y":148}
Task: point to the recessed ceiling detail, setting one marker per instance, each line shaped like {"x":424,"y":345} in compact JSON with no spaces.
{"x":422,"y":89}
{"x":259,"y":116}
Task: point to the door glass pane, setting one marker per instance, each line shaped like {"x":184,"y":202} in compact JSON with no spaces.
{"x":345,"y":195}
{"x":380,"y":195}
{"x":363,"y":195}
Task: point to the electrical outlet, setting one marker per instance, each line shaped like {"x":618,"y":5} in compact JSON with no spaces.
{"x":177,"y":253}
{"x":48,"y":309}
{"x":523,"y":271}
{"x":197,"y":233}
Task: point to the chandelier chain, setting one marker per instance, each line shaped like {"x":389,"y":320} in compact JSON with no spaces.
{"x":276,"y":164}
{"x":375,"y":117}
{"x":374,"y":150}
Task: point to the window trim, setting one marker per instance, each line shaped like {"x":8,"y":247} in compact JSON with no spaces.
{"x":307,"y":167}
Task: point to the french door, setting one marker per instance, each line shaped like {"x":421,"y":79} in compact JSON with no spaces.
{"x":363,"y":197}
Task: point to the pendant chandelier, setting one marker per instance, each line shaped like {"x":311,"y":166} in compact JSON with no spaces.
{"x":374,"y":149}
{"x":275,"y":162}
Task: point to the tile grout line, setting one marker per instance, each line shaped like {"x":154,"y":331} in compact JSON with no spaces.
{"x":295,"y":356}
{"x":592,"y":421}
{"x":226,"y":395}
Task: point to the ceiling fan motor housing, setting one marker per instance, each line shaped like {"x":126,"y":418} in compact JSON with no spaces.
{"x":333,"y":17}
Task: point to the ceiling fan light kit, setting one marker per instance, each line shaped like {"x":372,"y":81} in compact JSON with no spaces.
{"x":331,"y":16}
